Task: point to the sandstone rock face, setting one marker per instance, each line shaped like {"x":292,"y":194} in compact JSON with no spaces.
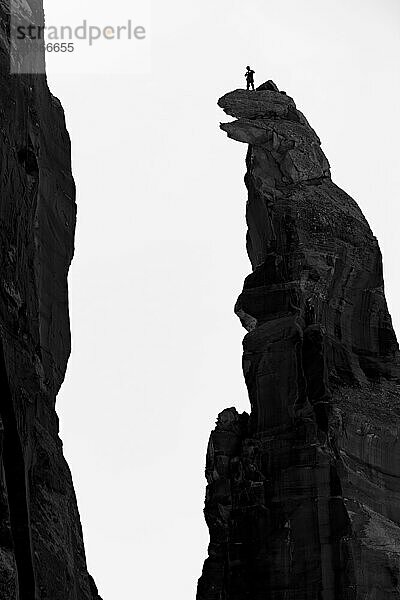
{"x":303,"y":495}
{"x":41,"y":548}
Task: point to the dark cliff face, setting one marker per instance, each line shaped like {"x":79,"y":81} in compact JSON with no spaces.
{"x":41,"y":547}
{"x":303,"y":495}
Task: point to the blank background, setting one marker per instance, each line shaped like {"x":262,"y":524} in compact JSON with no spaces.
{"x":160,"y":248}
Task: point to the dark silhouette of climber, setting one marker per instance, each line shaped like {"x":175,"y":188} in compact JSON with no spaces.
{"x":250,"y":78}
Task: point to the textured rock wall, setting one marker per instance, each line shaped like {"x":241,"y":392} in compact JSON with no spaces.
{"x":303,"y":494}
{"x":41,"y":548}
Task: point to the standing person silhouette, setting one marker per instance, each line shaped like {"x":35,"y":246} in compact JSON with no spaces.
{"x":250,"y":78}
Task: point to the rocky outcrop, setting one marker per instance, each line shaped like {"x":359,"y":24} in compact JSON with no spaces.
{"x":41,"y":548}
{"x":303,"y":493}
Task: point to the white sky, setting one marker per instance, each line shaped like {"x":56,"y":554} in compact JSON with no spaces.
{"x":160,"y":248}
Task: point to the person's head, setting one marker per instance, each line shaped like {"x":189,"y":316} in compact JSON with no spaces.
{"x":248,"y":68}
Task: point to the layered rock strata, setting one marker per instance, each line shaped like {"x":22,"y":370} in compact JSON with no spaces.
{"x":42,"y":555}
{"x":303,"y":494}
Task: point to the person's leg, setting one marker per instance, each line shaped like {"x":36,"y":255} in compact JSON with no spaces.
{"x":252,"y":85}
{"x":248,"y":85}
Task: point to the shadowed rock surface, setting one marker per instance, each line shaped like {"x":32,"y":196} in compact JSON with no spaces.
{"x":303,"y":495}
{"x":41,"y":548}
